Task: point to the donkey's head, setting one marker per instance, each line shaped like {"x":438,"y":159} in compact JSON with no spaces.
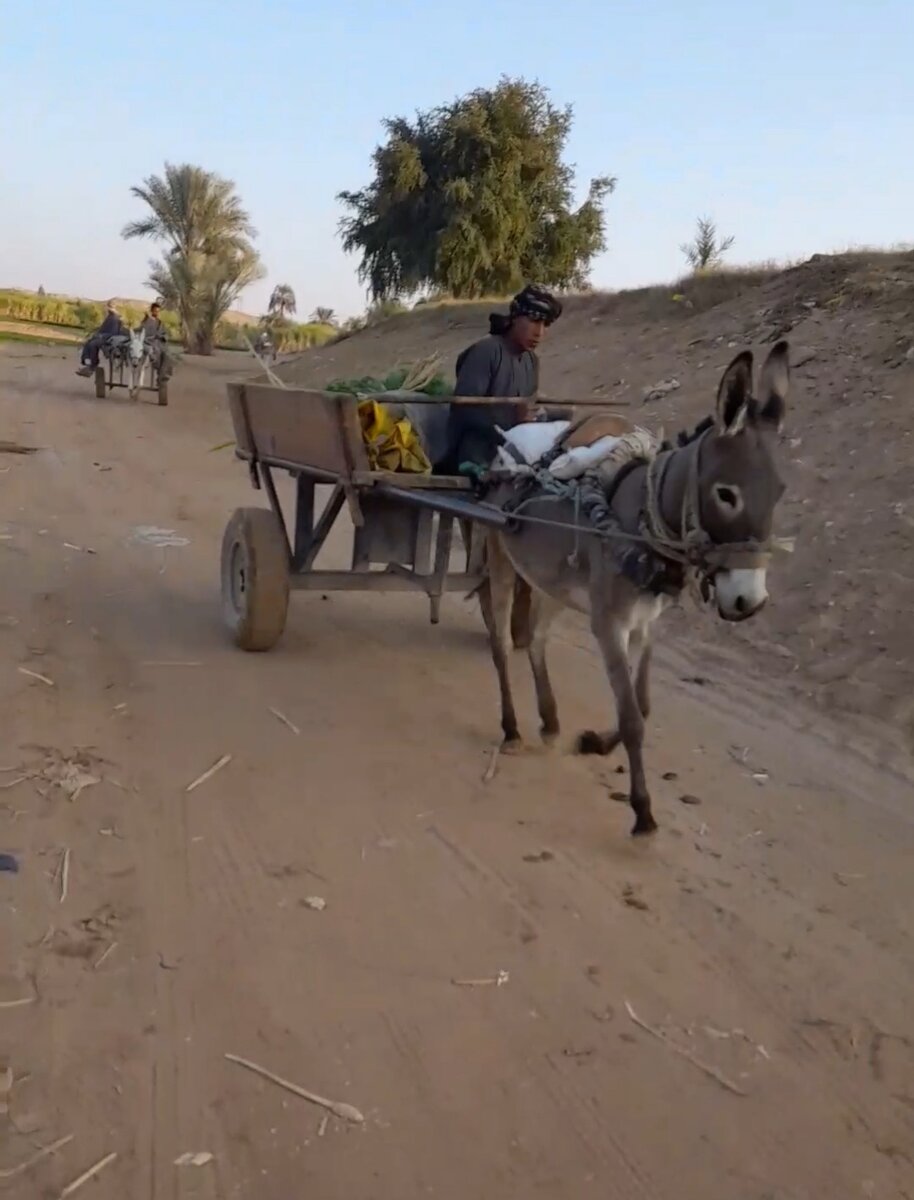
{"x":136,"y":349}
{"x":738,"y":481}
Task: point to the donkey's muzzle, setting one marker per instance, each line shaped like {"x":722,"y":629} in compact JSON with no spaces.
{"x":740,"y":593}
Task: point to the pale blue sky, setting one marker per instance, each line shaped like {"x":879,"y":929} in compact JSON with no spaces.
{"x":791,"y":123}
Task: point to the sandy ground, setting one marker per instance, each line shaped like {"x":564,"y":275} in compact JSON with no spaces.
{"x":766,"y":932}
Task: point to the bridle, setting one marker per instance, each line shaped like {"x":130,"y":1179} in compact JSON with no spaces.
{"x":692,"y":545}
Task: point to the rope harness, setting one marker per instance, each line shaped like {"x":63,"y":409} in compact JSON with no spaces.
{"x":658,"y":557}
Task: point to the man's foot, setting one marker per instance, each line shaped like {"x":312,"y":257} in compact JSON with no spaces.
{"x":86,"y":372}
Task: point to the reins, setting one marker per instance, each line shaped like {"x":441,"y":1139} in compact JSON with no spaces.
{"x":692,"y":547}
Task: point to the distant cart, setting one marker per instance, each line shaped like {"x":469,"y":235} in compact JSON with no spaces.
{"x":117,"y":370}
{"x":404,"y":524}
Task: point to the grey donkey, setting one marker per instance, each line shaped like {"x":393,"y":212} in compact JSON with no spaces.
{"x":702,"y":512}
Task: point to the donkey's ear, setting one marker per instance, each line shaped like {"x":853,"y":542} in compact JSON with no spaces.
{"x":774,"y":384}
{"x":734,"y":393}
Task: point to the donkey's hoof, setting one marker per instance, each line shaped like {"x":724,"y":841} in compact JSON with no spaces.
{"x":644,"y":825}
{"x":591,"y":742}
{"x":549,"y":737}
{"x":513,"y":745}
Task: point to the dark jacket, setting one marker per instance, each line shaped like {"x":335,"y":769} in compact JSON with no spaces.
{"x":111,"y":325}
{"x":153,"y":327}
{"x":490,"y":367}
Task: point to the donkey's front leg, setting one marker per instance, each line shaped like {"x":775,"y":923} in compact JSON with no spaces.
{"x":613,"y":641}
{"x":496,"y":606}
{"x":592,"y":742}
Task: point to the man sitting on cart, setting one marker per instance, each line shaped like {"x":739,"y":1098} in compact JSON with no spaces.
{"x":112,"y":326}
{"x":156,"y":334}
{"x":503,"y":364}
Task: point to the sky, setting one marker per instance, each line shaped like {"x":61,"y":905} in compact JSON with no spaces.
{"x":791,"y":124}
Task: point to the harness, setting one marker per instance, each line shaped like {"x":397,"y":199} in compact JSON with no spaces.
{"x":657,"y":558}
{"x":693,"y":545}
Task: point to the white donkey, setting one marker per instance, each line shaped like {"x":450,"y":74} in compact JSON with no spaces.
{"x":138,"y":361}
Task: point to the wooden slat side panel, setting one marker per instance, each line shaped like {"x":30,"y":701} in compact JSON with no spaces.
{"x":306,"y":427}
{"x":236,"y":411}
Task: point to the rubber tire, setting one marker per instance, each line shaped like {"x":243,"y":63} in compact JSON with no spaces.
{"x":163,"y":394}
{"x":258,"y":623}
{"x":101,"y":389}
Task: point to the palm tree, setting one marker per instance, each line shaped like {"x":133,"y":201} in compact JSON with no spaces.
{"x":201,"y":288}
{"x":282,"y":301}
{"x":209,"y":258}
{"x":192,"y":209}
{"x":323,"y":316}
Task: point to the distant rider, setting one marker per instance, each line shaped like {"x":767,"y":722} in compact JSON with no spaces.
{"x":156,"y":334}
{"x":112,"y":326}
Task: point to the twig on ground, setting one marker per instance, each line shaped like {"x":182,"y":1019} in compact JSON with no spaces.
{"x":65,"y":874}
{"x":87,"y":1175}
{"x":35,"y":675}
{"x":104,"y":954}
{"x":217,"y":766}
{"x":711,"y":1072}
{"x":493,"y":765}
{"x":44,"y":1152}
{"x":14,"y":782}
{"x":285,"y":720}
{"x":339,"y":1108}
{"x":498,"y":980}
{"x":17,"y":1003}
{"x":190,"y":1159}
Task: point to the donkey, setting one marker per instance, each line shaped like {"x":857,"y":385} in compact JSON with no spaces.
{"x":138,"y":360}
{"x":702,"y":511}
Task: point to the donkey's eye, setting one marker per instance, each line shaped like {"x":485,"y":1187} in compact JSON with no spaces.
{"x":729,"y":498}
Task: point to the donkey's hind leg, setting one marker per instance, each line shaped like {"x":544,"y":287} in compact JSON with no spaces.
{"x":542,"y":613}
{"x":522,"y":615}
{"x":592,"y":742}
{"x":643,"y":679}
{"x":496,"y":604}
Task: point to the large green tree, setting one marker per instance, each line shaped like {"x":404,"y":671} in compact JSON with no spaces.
{"x":474,"y":198}
{"x":209,"y":257}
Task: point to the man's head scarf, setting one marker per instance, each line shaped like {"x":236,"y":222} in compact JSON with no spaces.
{"x":534,"y":302}
{"x":537,"y":304}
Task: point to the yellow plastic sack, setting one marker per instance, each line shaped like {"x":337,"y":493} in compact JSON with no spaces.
{"x":392,"y":444}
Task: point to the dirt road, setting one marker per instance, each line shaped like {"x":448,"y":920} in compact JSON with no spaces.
{"x":766,"y":932}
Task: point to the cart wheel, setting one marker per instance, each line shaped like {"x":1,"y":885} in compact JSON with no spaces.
{"x":100,"y":383}
{"x":255,"y":578}
{"x":163,"y":393}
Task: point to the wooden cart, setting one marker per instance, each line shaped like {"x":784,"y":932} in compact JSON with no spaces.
{"x":115,"y":372}
{"x":403,"y":524}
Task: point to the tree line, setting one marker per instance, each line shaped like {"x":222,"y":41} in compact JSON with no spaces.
{"x":467,"y":199}
{"x":81,"y":316}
